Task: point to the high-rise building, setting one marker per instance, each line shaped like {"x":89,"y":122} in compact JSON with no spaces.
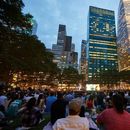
{"x":64,"y":50}
{"x":102,"y":48}
{"x":61,"y":35}
{"x":83,"y":59}
{"x":74,"y":59}
{"x":123,"y":38}
{"x":73,"y":47}
{"x":67,"y":44}
{"x":69,"y":59}
{"x":58,"y":48}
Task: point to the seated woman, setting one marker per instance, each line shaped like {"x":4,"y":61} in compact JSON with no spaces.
{"x":115,"y":118}
{"x":30,"y":114}
{"x":41,"y":102}
{"x":90,"y":104}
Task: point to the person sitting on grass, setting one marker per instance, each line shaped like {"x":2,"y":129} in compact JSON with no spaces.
{"x":115,"y":118}
{"x":58,"y":108}
{"x":30,"y":115}
{"x":73,"y":121}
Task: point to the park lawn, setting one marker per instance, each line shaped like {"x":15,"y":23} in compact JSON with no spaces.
{"x":16,"y":123}
{"x":42,"y":124}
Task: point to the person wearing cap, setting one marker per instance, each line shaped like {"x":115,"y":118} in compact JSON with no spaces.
{"x":73,"y":121}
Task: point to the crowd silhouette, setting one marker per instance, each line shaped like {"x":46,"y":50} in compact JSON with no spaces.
{"x":67,"y":110}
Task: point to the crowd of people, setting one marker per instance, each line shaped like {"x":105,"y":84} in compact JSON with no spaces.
{"x":67,"y":110}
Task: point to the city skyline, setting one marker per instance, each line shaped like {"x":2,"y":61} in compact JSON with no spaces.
{"x":73,"y":14}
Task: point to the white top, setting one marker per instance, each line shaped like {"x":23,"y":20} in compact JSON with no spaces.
{"x":72,"y":123}
{"x":3,"y":100}
{"x":27,"y":98}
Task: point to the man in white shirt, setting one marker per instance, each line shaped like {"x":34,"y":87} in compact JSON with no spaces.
{"x":73,"y":121}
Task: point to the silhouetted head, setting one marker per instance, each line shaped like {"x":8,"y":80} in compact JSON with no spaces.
{"x":52,"y":93}
{"x":118,"y":103}
{"x":59,"y":95}
{"x":39,"y":98}
{"x":31,"y":103}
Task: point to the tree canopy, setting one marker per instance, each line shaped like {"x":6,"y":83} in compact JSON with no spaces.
{"x":70,"y":76}
{"x":19,"y":51}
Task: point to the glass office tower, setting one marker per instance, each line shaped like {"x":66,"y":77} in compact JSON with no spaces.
{"x":102,"y":48}
{"x":123,"y":38}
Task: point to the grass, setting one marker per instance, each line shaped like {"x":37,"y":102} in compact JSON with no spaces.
{"x":42,"y":124}
{"x":16,"y":123}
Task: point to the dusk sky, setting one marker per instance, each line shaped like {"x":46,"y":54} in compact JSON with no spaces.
{"x":72,"y":13}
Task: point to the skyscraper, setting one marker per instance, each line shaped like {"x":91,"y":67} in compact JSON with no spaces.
{"x":83,"y":59}
{"x":64,"y":50}
{"x":74,"y":59}
{"x":102,"y":48}
{"x":123,"y":38}
{"x":61,"y":35}
{"x":73,"y":47}
{"x":58,"y":48}
{"x":68,"y":43}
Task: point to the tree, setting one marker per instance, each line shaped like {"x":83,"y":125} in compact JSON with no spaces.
{"x":125,"y":76}
{"x":19,"y":51}
{"x":70,"y":76}
{"x":11,"y":15}
{"x":12,"y":24}
{"x":109,"y":77}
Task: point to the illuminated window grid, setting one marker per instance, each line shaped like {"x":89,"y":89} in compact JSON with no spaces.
{"x":102,"y":36}
{"x":92,"y":17}
{"x":99,"y":55}
{"x":102,"y":48}
{"x":97,"y":52}
{"x":103,"y":42}
{"x":101,"y":58}
{"x":95,"y":55}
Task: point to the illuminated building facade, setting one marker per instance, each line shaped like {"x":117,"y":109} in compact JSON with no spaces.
{"x":123,"y":38}
{"x":61,"y":35}
{"x":73,"y":47}
{"x":83,"y":59}
{"x":69,"y":57}
{"x":58,"y":48}
{"x":64,"y":51}
{"x":102,"y":48}
{"x":68,"y":43}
